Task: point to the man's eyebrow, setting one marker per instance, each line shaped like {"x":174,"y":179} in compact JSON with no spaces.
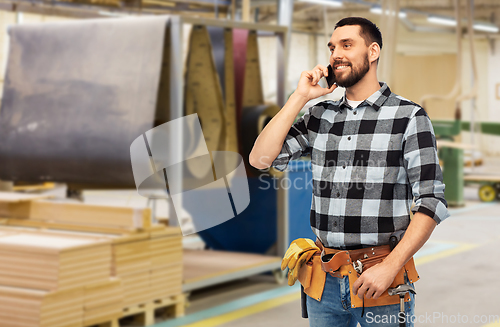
{"x":346,"y":40}
{"x":330,"y":44}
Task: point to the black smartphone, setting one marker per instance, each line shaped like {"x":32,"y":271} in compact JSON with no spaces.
{"x":330,"y":79}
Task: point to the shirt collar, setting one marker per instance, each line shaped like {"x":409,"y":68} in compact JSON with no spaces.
{"x":376,"y":100}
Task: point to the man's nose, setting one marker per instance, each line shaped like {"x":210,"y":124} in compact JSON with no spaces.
{"x":337,"y":54}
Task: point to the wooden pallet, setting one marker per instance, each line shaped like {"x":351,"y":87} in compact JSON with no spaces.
{"x":144,"y":313}
{"x":112,"y":323}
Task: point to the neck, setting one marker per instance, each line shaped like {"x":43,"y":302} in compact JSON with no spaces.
{"x":365,"y":87}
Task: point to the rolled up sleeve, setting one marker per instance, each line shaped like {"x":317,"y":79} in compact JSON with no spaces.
{"x":296,"y":144}
{"x":422,"y":167}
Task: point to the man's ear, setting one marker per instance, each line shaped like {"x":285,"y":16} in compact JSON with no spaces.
{"x":373,"y":52}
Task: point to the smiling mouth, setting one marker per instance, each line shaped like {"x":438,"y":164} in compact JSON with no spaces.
{"x":341,"y":67}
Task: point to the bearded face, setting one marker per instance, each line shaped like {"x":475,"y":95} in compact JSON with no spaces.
{"x":348,"y":74}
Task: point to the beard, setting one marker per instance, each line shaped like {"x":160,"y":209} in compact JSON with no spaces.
{"x":355,"y":76}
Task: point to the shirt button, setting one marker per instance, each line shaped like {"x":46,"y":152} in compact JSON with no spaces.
{"x":354,"y":113}
{"x":348,"y":138}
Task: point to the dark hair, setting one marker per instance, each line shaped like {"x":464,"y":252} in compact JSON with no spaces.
{"x":369,"y":31}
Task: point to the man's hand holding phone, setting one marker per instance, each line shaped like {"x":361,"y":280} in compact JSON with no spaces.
{"x":270,"y":141}
{"x":308,"y":86}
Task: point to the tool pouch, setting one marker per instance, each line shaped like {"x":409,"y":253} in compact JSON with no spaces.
{"x":332,"y":265}
{"x":385,"y":298}
{"x":312,"y":277}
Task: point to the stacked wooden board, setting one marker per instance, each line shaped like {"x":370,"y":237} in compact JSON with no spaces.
{"x":102,"y":302}
{"x":166,"y":272}
{"x":52,"y":262}
{"x":86,"y":275}
{"x":149,"y":265}
{"x":52,"y":279}
{"x":23,"y":307}
{"x":83,"y":306}
{"x":20,"y":209}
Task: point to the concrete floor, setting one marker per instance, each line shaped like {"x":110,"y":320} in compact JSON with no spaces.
{"x":458,"y":268}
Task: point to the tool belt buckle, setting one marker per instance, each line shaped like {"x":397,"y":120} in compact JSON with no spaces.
{"x":358,"y":266}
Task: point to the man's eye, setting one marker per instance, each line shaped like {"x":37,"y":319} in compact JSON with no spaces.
{"x":347,"y":45}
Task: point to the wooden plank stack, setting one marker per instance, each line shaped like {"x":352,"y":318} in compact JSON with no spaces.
{"x":73,"y":216}
{"x":23,"y":307}
{"x":83,"y":306}
{"x":52,"y":262}
{"x":166,"y":271}
{"x":150,"y":265}
{"x":136,"y":288}
{"x":72,"y":264}
{"x":102,"y":302}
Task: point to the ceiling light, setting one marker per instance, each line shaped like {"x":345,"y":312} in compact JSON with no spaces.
{"x":378,"y":11}
{"x":332,"y":3}
{"x":486,"y":28}
{"x":451,"y":22}
{"x":442,"y":20}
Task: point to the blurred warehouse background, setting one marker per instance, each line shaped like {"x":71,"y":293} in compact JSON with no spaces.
{"x":83,"y":244}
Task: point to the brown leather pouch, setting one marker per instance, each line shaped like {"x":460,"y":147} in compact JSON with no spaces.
{"x":312,"y":277}
{"x":370,"y":262}
{"x":385,"y":298}
{"x":338,"y":260}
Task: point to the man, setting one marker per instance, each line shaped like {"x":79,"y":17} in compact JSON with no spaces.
{"x":372,"y":153}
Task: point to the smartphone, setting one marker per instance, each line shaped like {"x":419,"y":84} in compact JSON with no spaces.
{"x":330,"y":79}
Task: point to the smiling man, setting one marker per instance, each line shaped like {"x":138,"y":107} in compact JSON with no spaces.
{"x":372,"y":153}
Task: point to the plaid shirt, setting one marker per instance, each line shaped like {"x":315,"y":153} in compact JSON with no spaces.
{"x":368,"y":165}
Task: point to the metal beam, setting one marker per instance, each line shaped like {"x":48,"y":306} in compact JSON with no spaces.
{"x":245,"y":11}
{"x":285,"y":15}
{"x":84,"y":10}
{"x":233,"y":24}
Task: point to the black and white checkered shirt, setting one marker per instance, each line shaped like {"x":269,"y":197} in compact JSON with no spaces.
{"x":368,"y":165}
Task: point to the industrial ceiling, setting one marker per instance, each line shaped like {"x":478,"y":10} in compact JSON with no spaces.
{"x":308,"y":15}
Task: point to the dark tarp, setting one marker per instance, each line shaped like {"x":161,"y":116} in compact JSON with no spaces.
{"x":76,"y":95}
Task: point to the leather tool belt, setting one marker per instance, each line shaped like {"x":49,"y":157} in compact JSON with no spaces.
{"x":352,"y":263}
{"x":362,"y":259}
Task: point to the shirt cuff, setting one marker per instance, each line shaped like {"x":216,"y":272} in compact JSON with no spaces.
{"x":432,"y":207}
{"x":282,"y":160}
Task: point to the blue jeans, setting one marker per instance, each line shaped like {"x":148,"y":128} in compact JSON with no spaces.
{"x":334,"y":309}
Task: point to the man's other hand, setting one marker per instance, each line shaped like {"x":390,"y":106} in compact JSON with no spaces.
{"x":374,"y":281}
